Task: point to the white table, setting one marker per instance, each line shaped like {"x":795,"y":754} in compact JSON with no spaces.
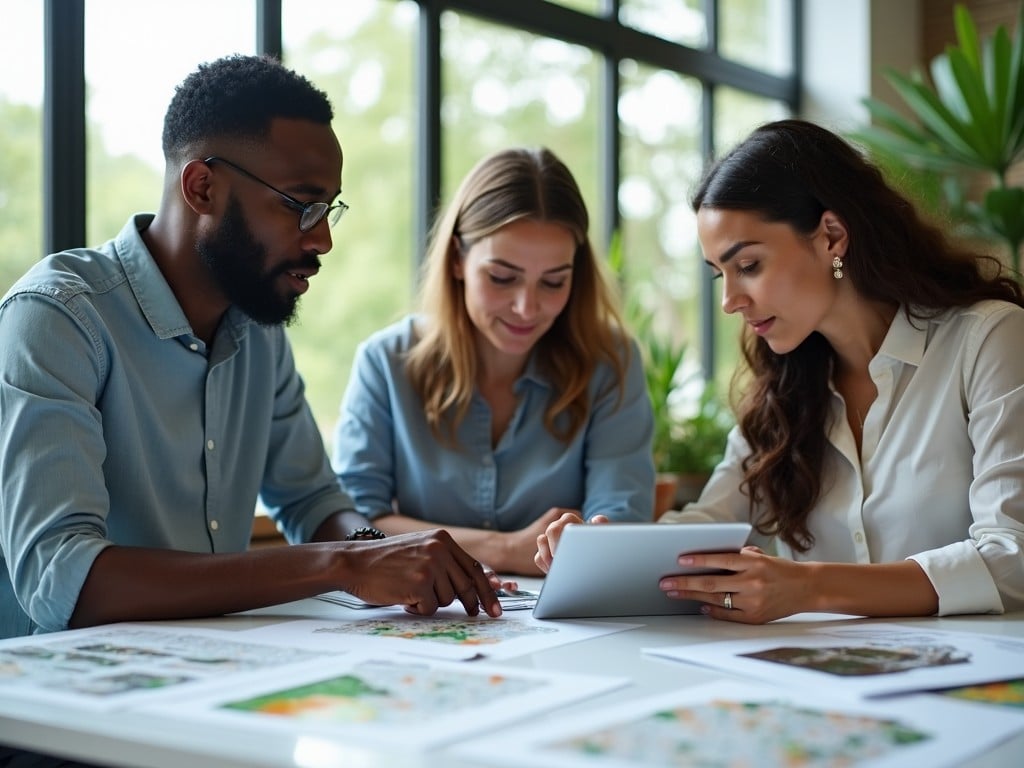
{"x":135,"y":739}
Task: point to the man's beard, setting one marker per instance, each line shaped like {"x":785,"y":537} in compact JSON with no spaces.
{"x":237,"y":260}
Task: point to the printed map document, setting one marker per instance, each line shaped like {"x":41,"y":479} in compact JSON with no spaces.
{"x":448,"y":634}
{"x":863,"y":660}
{"x":405,"y":703}
{"x":744,"y":724}
{"x":121,"y":665}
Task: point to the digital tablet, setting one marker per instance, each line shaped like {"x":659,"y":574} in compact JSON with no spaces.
{"x":613,"y":569}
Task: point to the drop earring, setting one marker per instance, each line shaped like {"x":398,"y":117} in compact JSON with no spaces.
{"x":837,"y":267}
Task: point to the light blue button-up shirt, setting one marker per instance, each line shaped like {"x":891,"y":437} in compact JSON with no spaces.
{"x":119,"y":426}
{"x":384,"y":449}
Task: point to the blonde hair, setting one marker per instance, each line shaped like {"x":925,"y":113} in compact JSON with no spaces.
{"x":508,"y":186}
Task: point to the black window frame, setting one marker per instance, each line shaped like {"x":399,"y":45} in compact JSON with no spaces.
{"x":64,"y":156}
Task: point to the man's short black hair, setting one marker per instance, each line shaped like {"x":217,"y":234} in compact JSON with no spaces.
{"x":238,"y":96}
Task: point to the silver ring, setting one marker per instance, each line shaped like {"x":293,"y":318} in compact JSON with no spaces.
{"x":728,"y":601}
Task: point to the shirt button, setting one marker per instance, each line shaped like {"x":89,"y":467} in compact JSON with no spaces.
{"x":210,"y":444}
{"x":487,"y":523}
{"x":488,"y":461}
{"x":194,"y":347}
{"x":214,"y":525}
{"x":859,"y":537}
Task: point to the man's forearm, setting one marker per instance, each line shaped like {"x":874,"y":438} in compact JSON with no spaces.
{"x":139,"y":584}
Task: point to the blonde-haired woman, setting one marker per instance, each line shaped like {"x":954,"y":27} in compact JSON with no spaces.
{"x":514,"y":395}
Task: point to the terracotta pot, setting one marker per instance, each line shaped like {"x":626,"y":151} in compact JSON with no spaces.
{"x":664,"y":493}
{"x":688,"y":487}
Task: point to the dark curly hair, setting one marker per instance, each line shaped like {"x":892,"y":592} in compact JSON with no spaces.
{"x":793,"y":171}
{"x":238,"y":96}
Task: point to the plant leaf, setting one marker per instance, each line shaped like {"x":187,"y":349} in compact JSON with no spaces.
{"x":936,"y":118}
{"x":1004,"y":209}
{"x":895,"y":122}
{"x":981,"y":127}
{"x":948,"y":86}
{"x":997,"y":76}
{"x":1015,"y":90}
{"x":967,"y":34}
{"x":917,"y":154}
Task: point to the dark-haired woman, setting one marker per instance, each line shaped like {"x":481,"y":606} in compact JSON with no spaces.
{"x":880,"y":437}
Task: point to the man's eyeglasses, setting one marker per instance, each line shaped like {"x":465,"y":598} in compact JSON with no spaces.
{"x":310,"y":214}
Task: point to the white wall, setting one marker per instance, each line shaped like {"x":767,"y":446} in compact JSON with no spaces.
{"x":847,"y":46}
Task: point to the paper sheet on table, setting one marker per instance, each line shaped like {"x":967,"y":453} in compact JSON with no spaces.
{"x":733,"y":723}
{"x":863,"y":660}
{"x":448,"y":634}
{"x":511,"y":600}
{"x":401,"y":702}
{"x":120,"y":665}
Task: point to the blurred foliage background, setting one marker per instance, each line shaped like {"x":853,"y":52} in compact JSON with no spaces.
{"x":501,"y":87}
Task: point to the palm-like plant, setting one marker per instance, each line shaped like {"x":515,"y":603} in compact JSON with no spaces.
{"x":971,"y":116}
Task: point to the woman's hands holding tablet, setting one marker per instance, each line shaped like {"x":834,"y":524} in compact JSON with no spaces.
{"x":548,"y":541}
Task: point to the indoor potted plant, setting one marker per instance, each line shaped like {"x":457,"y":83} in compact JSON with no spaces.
{"x":968,"y":119}
{"x":698,"y":441}
{"x":691,"y":422}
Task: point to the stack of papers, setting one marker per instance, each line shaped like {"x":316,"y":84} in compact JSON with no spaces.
{"x":511,"y":600}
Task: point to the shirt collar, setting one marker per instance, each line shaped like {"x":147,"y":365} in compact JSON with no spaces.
{"x":533,"y":373}
{"x":906,"y":339}
{"x":155,"y":297}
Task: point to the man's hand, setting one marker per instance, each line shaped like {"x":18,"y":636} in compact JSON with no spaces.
{"x":422,"y":571}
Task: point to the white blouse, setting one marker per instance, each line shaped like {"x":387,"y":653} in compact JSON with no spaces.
{"x":940,"y":479}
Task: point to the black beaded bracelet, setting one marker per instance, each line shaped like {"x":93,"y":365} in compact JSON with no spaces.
{"x":366,"y":533}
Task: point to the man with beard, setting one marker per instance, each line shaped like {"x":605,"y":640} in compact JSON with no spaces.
{"x":148,"y":393}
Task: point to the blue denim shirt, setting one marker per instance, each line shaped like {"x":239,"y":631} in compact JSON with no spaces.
{"x":384,"y":449}
{"x":119,"y":426}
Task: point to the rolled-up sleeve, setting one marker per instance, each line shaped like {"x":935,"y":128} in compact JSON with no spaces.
{"x":53,"y":502}
{"x":986,"y":572}
{"x":117,"y":427}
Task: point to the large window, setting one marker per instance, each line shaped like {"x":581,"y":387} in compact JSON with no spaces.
{"x":21,"y":140}
{"x":364,"y":60}
{"x":660,"y":114}
{"x":682,"y":21}
{"x":503,"y":87}
{"x":130,"y":79}
{"x":757,"y":33}
{"x":634,"y":95}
